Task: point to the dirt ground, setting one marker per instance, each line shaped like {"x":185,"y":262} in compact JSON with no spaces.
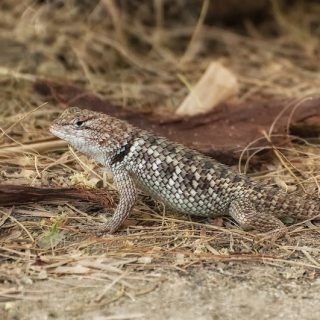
{"x":144,"y":56}
{"x":215,"y":292}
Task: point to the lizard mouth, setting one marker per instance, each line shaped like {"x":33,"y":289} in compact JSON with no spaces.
{"x":56,"y":132}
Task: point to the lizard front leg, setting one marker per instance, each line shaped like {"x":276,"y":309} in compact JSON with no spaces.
{"x":128,"y":197}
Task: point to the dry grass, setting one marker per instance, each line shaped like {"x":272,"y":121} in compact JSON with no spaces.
{"x":138,"y":66}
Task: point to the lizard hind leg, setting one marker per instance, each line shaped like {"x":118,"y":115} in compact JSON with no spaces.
{"x":246,"y":215}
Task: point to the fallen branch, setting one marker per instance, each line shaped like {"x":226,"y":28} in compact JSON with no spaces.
{"x":34,"y":147}
{"x":11,"y":195}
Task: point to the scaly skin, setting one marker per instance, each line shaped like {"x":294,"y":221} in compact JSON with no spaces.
{"x":183,"y":179}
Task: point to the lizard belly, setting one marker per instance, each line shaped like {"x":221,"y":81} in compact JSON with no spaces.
{"x":181,"y":196}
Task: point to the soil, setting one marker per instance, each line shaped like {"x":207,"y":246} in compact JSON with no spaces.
{"x":216,"y":292}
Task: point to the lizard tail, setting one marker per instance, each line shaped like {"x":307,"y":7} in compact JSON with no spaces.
{"x":298,"y":207}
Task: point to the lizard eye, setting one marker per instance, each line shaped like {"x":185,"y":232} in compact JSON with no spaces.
{"x":78,"y":123}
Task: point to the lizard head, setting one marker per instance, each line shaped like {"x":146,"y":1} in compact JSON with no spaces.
{"x":93,"y":133}
{"x":75,"y":126}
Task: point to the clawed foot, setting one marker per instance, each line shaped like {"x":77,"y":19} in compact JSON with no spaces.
{"x":268,"y":239}
{"x":98,"y":228}
{"x":274,"y":235}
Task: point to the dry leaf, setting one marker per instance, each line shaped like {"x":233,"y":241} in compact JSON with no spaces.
{"x":215,"y":86}
{"x":145,"y":260}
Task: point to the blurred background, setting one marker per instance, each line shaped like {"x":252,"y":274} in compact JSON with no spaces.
{"x":145,"y":53}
